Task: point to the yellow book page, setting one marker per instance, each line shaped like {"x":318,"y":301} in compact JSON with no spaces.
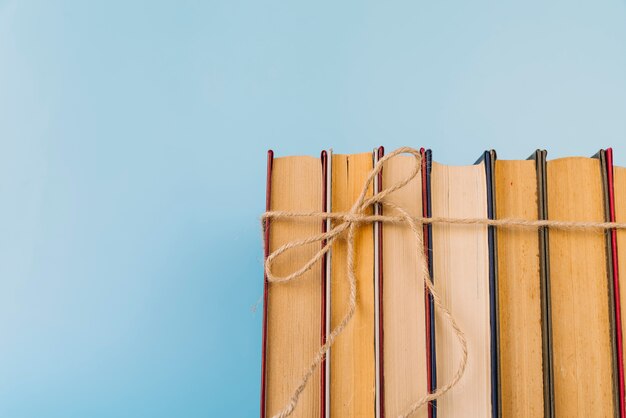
{"x":294,"y":308}
{"x":352,"y":361}
{"x":519,"y":291}
{"x":579,"y":289}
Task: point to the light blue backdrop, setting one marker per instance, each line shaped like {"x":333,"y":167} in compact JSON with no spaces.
{"x":132,"y":163}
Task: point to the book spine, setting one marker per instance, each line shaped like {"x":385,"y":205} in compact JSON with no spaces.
{"x":328,"y":184}
{"x":612,"y":237}
{"x":266,"y":250}
{"x":378,"y":238}
{"x":489,"y":160}
{"x":546,"y":311}
{"x":323,"y":329}
{"x":431,"y":375}
{"x":607,"y":190}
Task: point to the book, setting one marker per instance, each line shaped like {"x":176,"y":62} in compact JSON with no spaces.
{"x":292,"y":311}
{"x":520,"y":291}
{"x":581,"y":302}
{"x":430,"y":307}
{"x":461,"y":272}
{"x":616,"y":209}
{"x":546,"y":296}
{"x":606,"y":166}
{"x":403,"y":297}
{"x":488,"y":160}
{"x":352,"y":357}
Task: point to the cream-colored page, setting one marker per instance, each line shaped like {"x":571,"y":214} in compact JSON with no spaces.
{"x":461,"y":274}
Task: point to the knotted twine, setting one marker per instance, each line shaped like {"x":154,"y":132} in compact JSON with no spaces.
{"x":356,"y":216}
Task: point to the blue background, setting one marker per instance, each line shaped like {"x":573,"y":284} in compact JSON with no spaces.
{"x":132,"y":164}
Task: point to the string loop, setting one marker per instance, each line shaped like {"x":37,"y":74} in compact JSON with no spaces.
{"x":349,"y":223}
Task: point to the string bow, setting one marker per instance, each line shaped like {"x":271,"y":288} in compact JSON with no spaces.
{"x":347,"y":226}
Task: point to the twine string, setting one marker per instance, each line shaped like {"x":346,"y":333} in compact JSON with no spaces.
{"x":348,"y":225}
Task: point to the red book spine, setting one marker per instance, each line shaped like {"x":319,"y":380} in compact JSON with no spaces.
{"x":616,"y":290}
{"x":266,"y":232}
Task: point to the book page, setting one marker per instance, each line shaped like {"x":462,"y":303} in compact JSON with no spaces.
{"x":461,"y":275}
{"x":404,"y":321}
{"x":294,"y":319}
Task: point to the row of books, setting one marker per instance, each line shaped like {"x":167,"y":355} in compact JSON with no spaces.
{"x":540,"y":307}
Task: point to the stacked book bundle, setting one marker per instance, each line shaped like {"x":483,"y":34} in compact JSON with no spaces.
{"x":538,"y":306}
